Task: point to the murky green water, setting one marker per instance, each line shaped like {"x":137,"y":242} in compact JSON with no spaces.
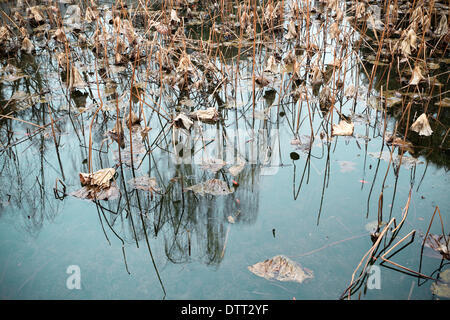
{"x":176,"y":244}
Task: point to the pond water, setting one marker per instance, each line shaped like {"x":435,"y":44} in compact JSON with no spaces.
{"x":314,"y":200}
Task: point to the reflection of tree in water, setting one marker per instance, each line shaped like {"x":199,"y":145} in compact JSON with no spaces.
{"x":26,"y":180}
{"x":193,"y":226}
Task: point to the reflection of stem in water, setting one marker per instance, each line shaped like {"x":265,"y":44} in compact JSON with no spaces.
{"x":307,"y":165}
{"x":123,"y":178}
{"x":118,"y":237}
{"x":151,"y":254}
{"x":325,"y":182}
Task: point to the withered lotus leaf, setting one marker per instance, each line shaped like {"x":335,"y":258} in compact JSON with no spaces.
{"x":145,"y":183}
{"x":344,"y":128}
{"x":422,"y":126}
{"x":101,"y":178}
{"x":281,"y":268}
{"x":214,"y":187}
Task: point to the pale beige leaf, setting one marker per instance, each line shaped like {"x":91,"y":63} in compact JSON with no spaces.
{"x":422,"y":126}
{"x":97,"y":193}
{"x":344,"y":128}
{"x":101,"y":178}
{"x":209,"y":114}
{"x":281,"y":268}
{"x":214,"y":187}
{"x":292,"y":31}
{"x":237,"y":168}
{"x":271,"y":65}
{"x":75,"y":79}
{"x":416,"y":76}
{"x":183,"y":121}
{"x":213,"y":164}
{"x":145,"y":183}
{"x":441,"y":289}
{"x":27,"y":46}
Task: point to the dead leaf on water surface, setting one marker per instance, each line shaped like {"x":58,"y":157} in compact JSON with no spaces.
{"x":174,"y":16}
{"x":444,"y":103}
{"x":399,"y":142}
{"x":281,"y":268}
{"x":27,"y":46}
{"x":292,"y":31}
{"x":442,"y":286}
{"x":183,"y":121}
{"x":237,"y":168}
{"x":438,"y":243}
{"x":214,"y":187}
{"x":131,"y":119}
{"x":407,"y":162}
{"x":97,"y":193}
{"x":101,"y":178}
{"x":443,"y":26}
{"x":132,"y":154}
{"x":231,"y":219}
{"x":344,"y":128}
{"x":422,"y":126}
{"x":416,"y":76}
{"x":35,"y":14}
{"x":117,"y":134}
{"x":442,"y":289}
{"x":210,"y":114}
{"x":262,"y":81}
{"x":213,"y":164}
{"x":271,"y":65}
{"x":145,"y":183}
{"x":75,"y":79}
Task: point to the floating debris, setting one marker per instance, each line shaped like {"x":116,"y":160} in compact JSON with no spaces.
{"x":281,"y":268}
{"x":183,"y":121}
{"x":214,"y":187}
{"x":207,"y":115}
{"x":422,"y":126}
{"x":97,"y":193}
{"x":406,"y":161}
{"x":213,"y":164}
{"x":145,"y":183}
{"x":439,"y":244}
{"x":237,"y":168}
{"x":101,"y":178}
{"x":442,"y":286}
{"x":344,"y":128}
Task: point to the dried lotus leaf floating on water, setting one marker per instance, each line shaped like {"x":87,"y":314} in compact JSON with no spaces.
{"x":97,"y":193}
{"x":183,"y":121}
{"x":344,"y":128}
{"x":145,"y":183}
{"x":214,"y":187}
{"x":407,"y":162}
{"x":422,"y":126}
{"x":213,"y":164}
{"x":237,"y":168}
{"x":101,"y":178}
{"x":444,"y":103}
{"x":416,"y":76}
{"x":438,"y":243}
{"x":209,"y":114}
{"x":98,"y":185}
{"x":442,"y":286}
{"x":281,"y":268}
